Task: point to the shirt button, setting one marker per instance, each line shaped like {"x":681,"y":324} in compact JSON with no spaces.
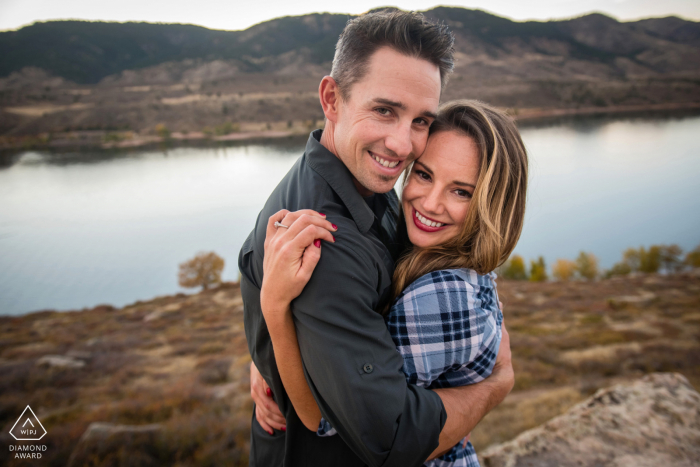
{"x":368,"y":368}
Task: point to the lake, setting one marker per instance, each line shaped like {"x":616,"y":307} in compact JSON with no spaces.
{"x":81,"y":229}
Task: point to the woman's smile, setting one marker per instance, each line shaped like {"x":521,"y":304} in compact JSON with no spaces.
{"x":427,"y":224}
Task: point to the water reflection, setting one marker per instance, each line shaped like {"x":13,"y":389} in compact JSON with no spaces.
{"x":82,"y":228}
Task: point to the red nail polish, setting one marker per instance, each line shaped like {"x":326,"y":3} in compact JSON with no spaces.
{"x":334,"y":226}
{"x":317,"y":243}
{"x":268,"y":391}
{"x":284,"y":428}
{"x":322,"y":214}
{"x":333,"y":238}
{"x":271,"y":433}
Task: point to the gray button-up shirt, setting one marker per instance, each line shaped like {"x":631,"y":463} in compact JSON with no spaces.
{"x":350,"y":360}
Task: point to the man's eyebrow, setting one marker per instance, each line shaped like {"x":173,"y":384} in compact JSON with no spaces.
{"x":400,"y":105}
{"x":456,"y":182}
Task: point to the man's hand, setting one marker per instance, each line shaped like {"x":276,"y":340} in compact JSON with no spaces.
{"x":266,"y":410}
{"x":467,"y":405}
{"x":503,"y":374}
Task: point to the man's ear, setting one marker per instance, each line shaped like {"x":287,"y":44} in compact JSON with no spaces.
{"x":329,"y":95}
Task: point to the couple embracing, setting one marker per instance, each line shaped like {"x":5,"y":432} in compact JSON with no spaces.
{"x":373,"y":323}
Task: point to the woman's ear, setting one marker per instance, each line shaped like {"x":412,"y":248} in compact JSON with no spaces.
{"x":329,"y":95}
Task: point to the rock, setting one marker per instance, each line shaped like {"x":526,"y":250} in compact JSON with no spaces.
{"x":644,"y":298}
{"x":79,"y":354}
{"x":60,"y":361}
{"x":118,"y":445}
{"x":651,"y":422}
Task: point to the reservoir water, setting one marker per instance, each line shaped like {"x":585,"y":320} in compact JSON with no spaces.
{"x":81,"y":229}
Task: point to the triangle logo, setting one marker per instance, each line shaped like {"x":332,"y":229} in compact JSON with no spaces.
{"x":28,"y":427}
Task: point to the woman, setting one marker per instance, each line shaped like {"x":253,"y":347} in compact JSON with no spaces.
{"x":463,"y":204}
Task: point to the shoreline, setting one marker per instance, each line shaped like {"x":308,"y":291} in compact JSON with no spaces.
{"x":80,"y":140}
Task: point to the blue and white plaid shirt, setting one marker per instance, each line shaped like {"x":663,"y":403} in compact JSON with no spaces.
{"x":447,"y":327}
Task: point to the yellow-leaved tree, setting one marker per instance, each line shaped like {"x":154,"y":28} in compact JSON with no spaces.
{"x":204,"y":270}
{"x":563,"y":269}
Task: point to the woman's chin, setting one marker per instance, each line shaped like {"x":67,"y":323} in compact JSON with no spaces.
{"x":421,"y":239}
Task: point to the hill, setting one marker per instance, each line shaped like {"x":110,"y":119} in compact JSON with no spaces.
{"x":86,"y":52}
{"x":72,"y":76}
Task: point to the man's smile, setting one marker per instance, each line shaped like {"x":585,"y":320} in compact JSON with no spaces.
{"x":387,"y":164}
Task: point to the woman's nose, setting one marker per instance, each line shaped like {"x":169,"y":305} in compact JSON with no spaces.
{"x":433,"y":202}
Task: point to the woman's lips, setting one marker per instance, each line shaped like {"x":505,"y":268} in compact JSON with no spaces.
{"x":424,"y":227}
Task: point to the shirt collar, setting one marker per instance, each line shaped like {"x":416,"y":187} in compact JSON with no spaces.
{"x":337,"y":175}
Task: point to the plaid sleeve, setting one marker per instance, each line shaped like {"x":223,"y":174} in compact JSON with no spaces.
{"x":447,"y":327}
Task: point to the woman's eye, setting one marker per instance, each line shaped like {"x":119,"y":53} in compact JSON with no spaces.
{"x":422,"y":175}
{"x":463,"y":193}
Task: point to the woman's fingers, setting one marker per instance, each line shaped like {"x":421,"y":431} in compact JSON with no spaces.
{"x":304,"y":219}
{"x":266,"y":410}
{"x":269,"y":418}
{"x":262,"y":422}
{"x":311,"y":233}
{"x":271,"y":228}
{"x":309,"y":260}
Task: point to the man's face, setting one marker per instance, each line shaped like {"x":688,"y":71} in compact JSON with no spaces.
{"x":384,"y":123}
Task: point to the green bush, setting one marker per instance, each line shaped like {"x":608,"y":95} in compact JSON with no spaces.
{"x":514,"y":269}
{"x":538,"y":270}
{"x":587,"y":265}
{"x":692,"y":259}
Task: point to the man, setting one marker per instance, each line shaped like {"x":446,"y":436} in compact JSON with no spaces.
{"x":379,"y":102}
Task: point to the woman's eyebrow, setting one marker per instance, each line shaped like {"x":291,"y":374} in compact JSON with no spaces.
{"x":456,"y":182}
{"x":425,"y":167}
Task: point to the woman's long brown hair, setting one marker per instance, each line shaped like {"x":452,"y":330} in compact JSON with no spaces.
{"x":495,"y":217}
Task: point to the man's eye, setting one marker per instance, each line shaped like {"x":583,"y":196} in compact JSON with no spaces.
{"x":422,"y":122}
{"x":383,"y":111}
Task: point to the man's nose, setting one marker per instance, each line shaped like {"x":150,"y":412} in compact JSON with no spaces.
{"x":399,"y":141}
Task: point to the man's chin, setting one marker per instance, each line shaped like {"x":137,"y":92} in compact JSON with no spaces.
{"x":382,"y":184}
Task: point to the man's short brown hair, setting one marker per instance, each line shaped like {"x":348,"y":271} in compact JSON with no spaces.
{"x":406,"y":32}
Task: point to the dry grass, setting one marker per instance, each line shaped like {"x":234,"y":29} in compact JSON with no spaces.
{"x":182,"y":361}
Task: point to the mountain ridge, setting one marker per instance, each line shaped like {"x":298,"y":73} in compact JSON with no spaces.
{"x":87,"y":52}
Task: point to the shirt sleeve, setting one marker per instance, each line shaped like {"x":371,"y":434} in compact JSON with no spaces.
{"x":353,"y":368}
{"x":447,"y":327}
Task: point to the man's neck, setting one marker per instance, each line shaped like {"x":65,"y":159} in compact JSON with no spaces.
{"x":328,"y":142}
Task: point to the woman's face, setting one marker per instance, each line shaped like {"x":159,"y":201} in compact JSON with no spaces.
{"x":440,"y":187}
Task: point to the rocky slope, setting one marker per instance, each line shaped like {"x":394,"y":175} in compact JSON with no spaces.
{"x":165,"y":381}
{"x":653,"y":421}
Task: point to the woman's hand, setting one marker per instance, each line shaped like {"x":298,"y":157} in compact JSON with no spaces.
{"x":267,"y":412}
{"x":291,"y":254}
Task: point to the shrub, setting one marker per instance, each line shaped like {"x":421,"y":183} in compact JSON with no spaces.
{"x":538,"y":270}
{"x":203,"y":270}
{"x":671,"y":257}
{"x":692,"y":259}
{"x":587,"y":265}
{"x":162,"y":131}
{"x":514,"y":269}
{"x":650,"y":259}
{"x":563,"y":269}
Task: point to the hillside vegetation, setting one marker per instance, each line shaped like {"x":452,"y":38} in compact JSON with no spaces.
{"x":62,"y":77}
{"x":180,"y":364}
